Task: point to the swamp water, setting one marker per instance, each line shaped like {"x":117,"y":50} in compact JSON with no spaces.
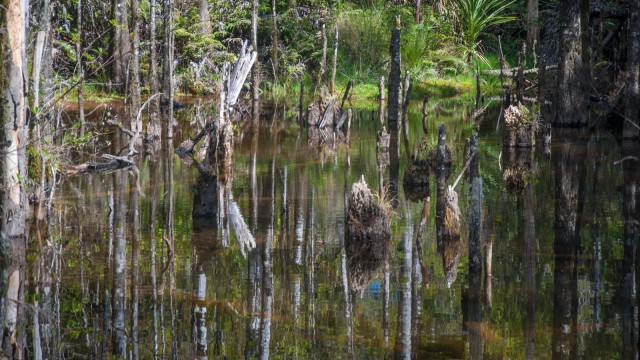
{"x":162,"y":260}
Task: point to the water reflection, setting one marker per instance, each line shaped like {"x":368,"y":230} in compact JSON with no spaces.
{"x":569,"y":187}
{"x":173,"y":260}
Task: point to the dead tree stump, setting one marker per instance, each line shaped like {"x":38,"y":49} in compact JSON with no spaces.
{"x":521,"y":127}
{"x":368,"y":230}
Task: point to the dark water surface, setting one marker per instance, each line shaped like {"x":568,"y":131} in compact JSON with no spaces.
{"x":165,"y":261}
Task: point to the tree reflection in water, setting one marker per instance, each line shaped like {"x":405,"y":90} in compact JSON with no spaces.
{"x":161,"y":262}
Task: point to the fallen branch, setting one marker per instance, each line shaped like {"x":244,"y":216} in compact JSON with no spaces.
{"x":514,"y":71}
{"x":114,"y":163}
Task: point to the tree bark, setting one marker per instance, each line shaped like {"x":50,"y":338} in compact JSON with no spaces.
{"x":134,"y":70}
{"x":335,"y":62}
{"x":419,"y":15}
{"x":323,"y":61}
{"x":571,"y":102}
{"x":167,"y":69}
{"x":533,"y":29}
{"x":274,"y":41}
{"x":255,"y":73}
{"x":154,"y":126}
{"x":394,"y":81}
{"x":80,"y":69}
{"x":121,"y":44}
{"x":44,"y":24}
{"x":204,"y":17}
{"x":13,"y":86}
{"x":633,"y":65}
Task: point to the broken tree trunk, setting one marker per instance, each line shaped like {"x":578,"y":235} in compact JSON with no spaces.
{"x":324,"y":112}
{"x":231,"y":87}
{"x":240,"y":72}
{"x":368,"y":230}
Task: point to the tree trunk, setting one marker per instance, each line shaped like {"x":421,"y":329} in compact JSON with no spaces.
{"x":121,"y":44}
{"x":571,"y":102}
{"x":633,"y":65}
{"x":79,"y":66}
{"x":205,"y":19}
{"x":323,"y":61}
{"x":167,"y":69}
{"x":44,"y":24}
{"x":533,"y":29}
{"x":394,"y":81}
{"x":419,"y":15}
{"x":335,"y":63}
{"x":274,"y":41}
{"x":154,"y":127}
{"x":134,"y":70}
{"x":255,"y":73}
{"x":42,"y":74}
{"x":14,"y":137}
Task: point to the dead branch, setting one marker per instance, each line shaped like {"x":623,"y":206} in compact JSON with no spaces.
{"x":514,"y":71}
{"x":625,"y":159}
{"x":114,"y":163}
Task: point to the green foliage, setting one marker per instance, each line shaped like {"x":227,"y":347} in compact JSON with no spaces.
{"x":476,"y":16}
{"x":365,"y":36}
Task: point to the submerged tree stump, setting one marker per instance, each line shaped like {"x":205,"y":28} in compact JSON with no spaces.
{"x":520,"y":169}
{"x":521,"y":127}
{"x":416,"y":180}
{"x":367,"y":234}
{"x":368,"y":231}
{"x":323,"y":113}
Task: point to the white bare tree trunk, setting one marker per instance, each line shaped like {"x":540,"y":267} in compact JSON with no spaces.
{"x":13,"y":75}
